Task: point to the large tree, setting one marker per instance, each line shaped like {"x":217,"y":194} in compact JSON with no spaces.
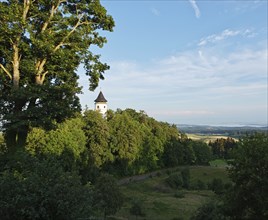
{"x":248,"y":198}
{"x":42,"y":43}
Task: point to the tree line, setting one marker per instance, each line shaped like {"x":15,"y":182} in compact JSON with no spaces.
{"x":67,"y":167}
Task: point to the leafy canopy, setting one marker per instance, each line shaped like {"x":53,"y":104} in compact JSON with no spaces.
{"x":42,"y":43}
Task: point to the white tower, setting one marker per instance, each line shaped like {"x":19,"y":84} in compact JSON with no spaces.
{"x":101,"y":104}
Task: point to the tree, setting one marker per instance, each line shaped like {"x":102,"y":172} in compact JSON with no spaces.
{"x":248,"y":198}
{"x":38,"y":189}
{"x":202,"y":152}
{"x":125,"y":141}
{"x":173,"y":154}
{"x":108,"y":198}
{"x":42,"y":43}
{"x":67,"y":142}
{"x":222,"y":148}
{"x":97,"y":134}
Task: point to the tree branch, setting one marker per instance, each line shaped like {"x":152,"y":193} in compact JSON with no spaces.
{"x":6,"y":71}
{"x":26,"y":6}
{"x":78,"y":23}
{"x":52,"y":11}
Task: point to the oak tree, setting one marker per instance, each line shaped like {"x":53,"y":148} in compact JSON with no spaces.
{"x":42,"y":43}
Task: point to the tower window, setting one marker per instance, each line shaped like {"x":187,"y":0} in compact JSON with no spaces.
{"x":98,"y":106}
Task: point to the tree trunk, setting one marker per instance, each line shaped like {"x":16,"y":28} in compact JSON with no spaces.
{"x":16,"y":64}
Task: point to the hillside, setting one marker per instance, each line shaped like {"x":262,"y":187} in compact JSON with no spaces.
{"x":160,"y":202}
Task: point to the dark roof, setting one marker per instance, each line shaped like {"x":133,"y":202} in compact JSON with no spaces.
{"x":100,"y":98}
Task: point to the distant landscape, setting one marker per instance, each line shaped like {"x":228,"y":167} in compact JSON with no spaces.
{"x":234,"y":131}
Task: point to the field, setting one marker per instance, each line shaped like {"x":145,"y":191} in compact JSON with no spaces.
{"x":160,"y":202}
{"x":205,"y":138}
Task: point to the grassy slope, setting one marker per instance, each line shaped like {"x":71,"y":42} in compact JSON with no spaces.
{"x":162,"y":203}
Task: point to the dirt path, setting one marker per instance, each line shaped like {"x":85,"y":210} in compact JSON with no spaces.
{"x":141,"y":177}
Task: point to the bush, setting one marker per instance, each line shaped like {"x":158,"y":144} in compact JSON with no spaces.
{"x":107,"y":196}
{"x":179,"y":194}
{"x":209,"y":211}
{"x":216,"y":185}
{"x":40,"y":189}
{"x":198,"y":185}
{"x":174,"y":181}
{"x":185,"y":173}
{"x":136,"y":208}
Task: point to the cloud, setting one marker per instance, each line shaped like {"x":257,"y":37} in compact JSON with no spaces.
{"x":224,"y":35}
{"x":192,"y":84}
{"x":184,"y":113}
{"x":195,"y":7}
{"x":155,"y":11}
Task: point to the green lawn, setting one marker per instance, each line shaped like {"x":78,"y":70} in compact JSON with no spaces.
{"x":159,"y":202}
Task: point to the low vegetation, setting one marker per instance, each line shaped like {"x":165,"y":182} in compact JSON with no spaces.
{"x":165,"y":196}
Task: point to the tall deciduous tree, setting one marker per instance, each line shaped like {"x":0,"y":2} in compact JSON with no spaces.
{"x":97,"y":138}
{"x":42,"y":43}
{"x":248,"y":198}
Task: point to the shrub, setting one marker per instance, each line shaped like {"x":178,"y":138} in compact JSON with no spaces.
{"x":216,"y":185}
{"x":136,"y":208}
{"x":198,"y":185}
{"x":174,"y":181}
{"x":185,"y":173}
{"x":40,"y":189}
{"x":179,"y":194}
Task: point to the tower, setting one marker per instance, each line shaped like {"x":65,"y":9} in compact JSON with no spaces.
{"x":101,"y":104}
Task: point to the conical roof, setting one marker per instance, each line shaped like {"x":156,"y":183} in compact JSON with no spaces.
{"x":100,"y":98}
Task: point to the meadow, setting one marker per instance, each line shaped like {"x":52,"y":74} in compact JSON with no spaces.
{"x":160,"y":202}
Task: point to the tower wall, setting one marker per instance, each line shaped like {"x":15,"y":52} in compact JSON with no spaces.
{"x":101,"y":107}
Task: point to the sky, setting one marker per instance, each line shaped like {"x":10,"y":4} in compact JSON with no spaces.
{"x":186,"y":61}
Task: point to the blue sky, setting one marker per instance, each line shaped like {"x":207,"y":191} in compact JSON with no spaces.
{"x":186,"y":61}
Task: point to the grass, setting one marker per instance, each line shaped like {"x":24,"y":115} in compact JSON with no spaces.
{"x":218,"y":163}
{"x":159,"y":202}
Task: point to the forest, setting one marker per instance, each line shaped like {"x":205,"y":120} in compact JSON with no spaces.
{"x":72,"y":171}
{"x":59,"y":162}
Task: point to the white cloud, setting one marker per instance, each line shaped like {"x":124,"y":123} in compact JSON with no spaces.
{"x":191,"y":84}
{"x":195,"y":7}
{"x":224,"y":35}
{"x":183,"y":113}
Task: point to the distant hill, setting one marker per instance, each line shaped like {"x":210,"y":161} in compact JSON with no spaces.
{"x":231,"y":130}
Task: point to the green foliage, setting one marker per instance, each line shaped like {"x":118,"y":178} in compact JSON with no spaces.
{"x":198,"y":185}
{"x":211,"y":210}
{"x":174,"y":181}
{"x":185,"y":174}
{"x":42,"y":44}
{"x":107,"y":195}
{"x":217,"y":186}
{"x":125,"y":137}
{"x":40,"y":189}
{"x":97,"y":139}
{"x":248,"y":198}
{"x":67,"y":140}
{"x":3,"y":148}
{"x":189,"y":156}
{"x":137,"y":208}
{"x":222,"y":147}
{"x":202,"y":152}
{"x":173,"y":154}
{"x":179,"y":194}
